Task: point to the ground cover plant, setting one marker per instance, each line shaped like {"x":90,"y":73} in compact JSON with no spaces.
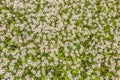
{"x":59,"y":39}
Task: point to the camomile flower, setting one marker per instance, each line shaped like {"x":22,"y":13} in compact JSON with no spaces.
{"x":7,"y":75}
{"x":2,"y":71}
{"x":2,"y":38}
{"x":38,"y":74}
{"x":4,"y":50}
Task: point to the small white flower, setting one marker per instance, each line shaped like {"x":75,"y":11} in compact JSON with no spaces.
{"x":4,"y":50}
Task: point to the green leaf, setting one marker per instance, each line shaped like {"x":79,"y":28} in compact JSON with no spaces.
{"x":78,"y":22}
{"x":109,"y":74}
{"x":42,"y":18}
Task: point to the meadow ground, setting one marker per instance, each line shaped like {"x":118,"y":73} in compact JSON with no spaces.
{"x":59,"y":39}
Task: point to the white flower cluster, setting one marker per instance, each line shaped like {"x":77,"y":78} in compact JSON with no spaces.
{"x":59,"y":40}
